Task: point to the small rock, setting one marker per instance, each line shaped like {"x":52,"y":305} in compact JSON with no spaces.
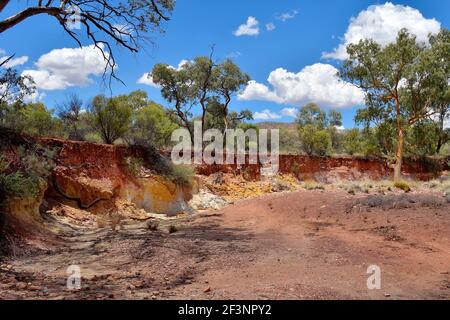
{"x":21,"y":285}
{"x":207,"y":290}
{"x":387,"y":295}
{"x":34,"y":288}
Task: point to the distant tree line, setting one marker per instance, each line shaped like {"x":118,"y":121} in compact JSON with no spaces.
{"x":321,"y":133}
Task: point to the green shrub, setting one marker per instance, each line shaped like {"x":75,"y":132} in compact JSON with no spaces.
{"x":315,"y":141}
{"x":134,"y":165}
{"x":152,"y":124}
{"x":31,"y":177}
{"x":182,"y":174}
{"x":18,"y":185}
{"x":312,"y":185}
{"x":403,"y":185}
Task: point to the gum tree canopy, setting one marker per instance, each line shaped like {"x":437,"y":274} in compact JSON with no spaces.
{"x":205,"y":84}
{"x":404,"y":82}
{"x":103,"y":23}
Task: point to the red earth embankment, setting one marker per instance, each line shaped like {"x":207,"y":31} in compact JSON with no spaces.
{"x":332,"y":168}
{"x":95,"y":175}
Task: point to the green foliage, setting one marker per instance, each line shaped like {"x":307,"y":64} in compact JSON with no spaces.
{"x":73,"y":117}
{"x":206,"y":84}
{"x":182,"y":174}
{"x":353,"y":142}
{"x":422,"y":138}
{"x":312,"y":115}
{"x":315,"y":141}
{"x":153,"y":125}
{"x":402,"y":185}
{"x":289,"y":141}
{"x":317,"y":130}
{"x":32,"y":119}
{"x":361,"y":142}
{"x":111,"y":117}
{"x":18,"y":185}
{"x":14,"y":89}
{"x":215,"y":118}
{"x":313,"y":185}
{"x":403,"y":82}
{"x":28,"y":181}
{"x":336,"y":136}
{"x":335,"y":118}
{"x":134,"y":165}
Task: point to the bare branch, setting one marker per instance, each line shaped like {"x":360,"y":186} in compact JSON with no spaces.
{"x":122,"y":23}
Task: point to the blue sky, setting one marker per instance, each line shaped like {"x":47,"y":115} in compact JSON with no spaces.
{"x":294,"y":54}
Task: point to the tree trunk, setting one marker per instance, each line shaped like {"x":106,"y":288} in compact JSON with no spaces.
{"x":441,"y":129}
{"x":399,"y":155}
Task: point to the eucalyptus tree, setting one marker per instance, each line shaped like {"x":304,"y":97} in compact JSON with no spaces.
{"x":230,"y":81}
{"x":203,"y":83}
{"x":440,"y":57}
{"x":398,"y":81}
{"x":176,"y":88}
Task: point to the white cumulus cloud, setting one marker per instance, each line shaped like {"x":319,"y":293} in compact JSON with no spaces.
{"x":147,"y":79}
{"x":250,"y":28}
{"x":67,"y":67}
{"x":14,"y":62}
{"x":266,"y":114}
{"x":382,"y":24}
{"x":289,"y":112}
{"x":316,"y":83}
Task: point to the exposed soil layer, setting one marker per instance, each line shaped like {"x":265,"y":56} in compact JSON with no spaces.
{"x":330,"y":169}
{"x":299,"y":245}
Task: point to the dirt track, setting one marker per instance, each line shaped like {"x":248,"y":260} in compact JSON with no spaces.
{"x":301,"y":245}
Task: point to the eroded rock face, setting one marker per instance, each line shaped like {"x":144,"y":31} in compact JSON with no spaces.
{"x":25,"y":210}
{"x":156,"y":194}
{"x":93,"y":175}
{"x":332,"y":169}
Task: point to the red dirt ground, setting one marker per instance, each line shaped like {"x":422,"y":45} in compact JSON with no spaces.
{"x":300,"y":245}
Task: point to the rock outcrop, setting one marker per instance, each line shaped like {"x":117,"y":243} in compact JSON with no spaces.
{"x":93,"y":176}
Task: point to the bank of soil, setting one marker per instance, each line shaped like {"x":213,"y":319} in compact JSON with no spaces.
{"x":298,"y":245}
